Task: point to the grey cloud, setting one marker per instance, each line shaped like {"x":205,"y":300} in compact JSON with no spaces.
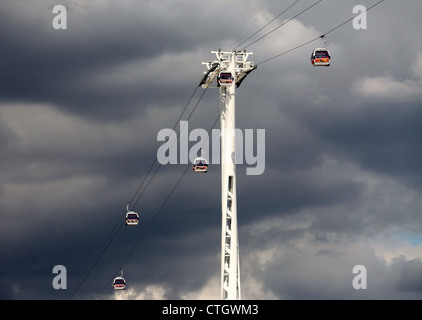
{"x":80,"y":110}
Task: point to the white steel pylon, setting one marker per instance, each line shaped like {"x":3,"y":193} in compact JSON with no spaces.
{"x":236,"y":64}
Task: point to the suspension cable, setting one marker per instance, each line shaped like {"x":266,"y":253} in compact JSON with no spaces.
{"x":322,"y":36}
{"x":156,"y":214}
{"x":104,"y":246}
{"x":284,"y":23}
{"x":284,"y":11}
{"x":118,"y":224}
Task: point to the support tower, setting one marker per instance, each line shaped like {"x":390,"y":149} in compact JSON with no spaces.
{"x":232,"y":63}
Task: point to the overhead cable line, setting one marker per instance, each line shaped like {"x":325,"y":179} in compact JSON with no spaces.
{"x":134,"y":202}
{"x":156,"y":214}
{"x":177,"y":183}
{"x":321,"y":36}
{"x":342,"y":24}
{"x":284,"y":23}
{"x":118,"y":223}
{"x":159,"y":166}
{"x":265,"y":25}
{"x":97,"y":257}
{"x":116,"y":228}
{"x":290,"y":50}
{"x":155,"y":160}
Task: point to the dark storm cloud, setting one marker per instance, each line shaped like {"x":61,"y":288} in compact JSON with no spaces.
{"x":81,"y":69}
{"x":386,"y":139}
{"x":400,"y":279}
{"x":368,"y":111}
{"x":80,"y":112}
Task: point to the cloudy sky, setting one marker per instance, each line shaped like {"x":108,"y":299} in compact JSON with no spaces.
{"x":80,"y":110}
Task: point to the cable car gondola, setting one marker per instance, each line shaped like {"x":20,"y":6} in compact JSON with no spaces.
{"x":119,"y":283}
{"x":132,"y":218}
{"x":200,"y":164}
{"x":225,"y":79}
{"x":320,"y":57}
